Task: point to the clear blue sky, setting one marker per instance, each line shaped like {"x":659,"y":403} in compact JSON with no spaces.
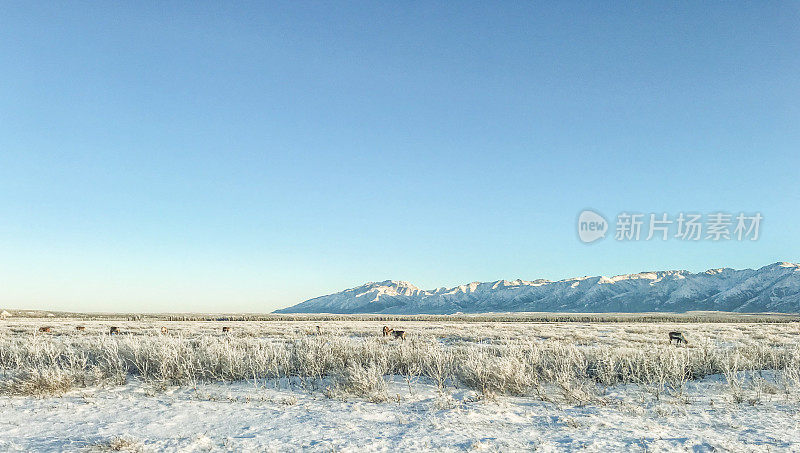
{"x":218,"y":156}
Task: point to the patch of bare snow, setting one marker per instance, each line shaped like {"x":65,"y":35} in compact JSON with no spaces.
{"x":245,"y":417}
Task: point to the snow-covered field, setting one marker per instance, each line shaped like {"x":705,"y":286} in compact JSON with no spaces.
{"x":281,"y":386}
{"x":241,"y":417}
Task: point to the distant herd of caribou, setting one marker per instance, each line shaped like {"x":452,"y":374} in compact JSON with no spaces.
{"x":397,"y":334}
{"x":114,"y":330}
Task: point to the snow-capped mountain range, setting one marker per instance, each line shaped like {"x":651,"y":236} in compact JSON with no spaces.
{"x":772,"y":288}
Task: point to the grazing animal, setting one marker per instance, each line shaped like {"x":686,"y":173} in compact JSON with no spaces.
{"x":226,"y":329}
{"x":114,"y":331}
{"x":401,"y":334}
{"x":164,"y":330}
{"x":44,"y":329}
{"x":678,"y":337}
{"x":80,"y":328}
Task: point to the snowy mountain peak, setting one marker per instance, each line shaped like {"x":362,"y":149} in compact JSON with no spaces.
{"x":376,"y":290}
{"x":397,"y":284}
{"x":784,"y":264}
{"x":774,"y":288}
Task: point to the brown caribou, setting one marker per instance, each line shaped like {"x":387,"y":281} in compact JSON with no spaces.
{"x":678,"y":337}
{"x":401,"y":334}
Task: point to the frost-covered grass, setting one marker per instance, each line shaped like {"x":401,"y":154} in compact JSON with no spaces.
{"x":450,"y":386}
{"x":555,"y":362}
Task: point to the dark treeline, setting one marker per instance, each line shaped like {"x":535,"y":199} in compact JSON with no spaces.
{"x":689,"y":317}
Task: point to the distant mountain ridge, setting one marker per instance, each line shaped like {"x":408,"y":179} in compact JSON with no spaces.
{"x":772,"y":288}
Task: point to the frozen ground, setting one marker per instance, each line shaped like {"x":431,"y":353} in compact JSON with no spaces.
{"x":286,"y":386}
{"x":241,"y":417}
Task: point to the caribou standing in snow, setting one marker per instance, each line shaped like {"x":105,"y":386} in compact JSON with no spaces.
{"x":401,"y":334}
{"x":678,"y":337}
